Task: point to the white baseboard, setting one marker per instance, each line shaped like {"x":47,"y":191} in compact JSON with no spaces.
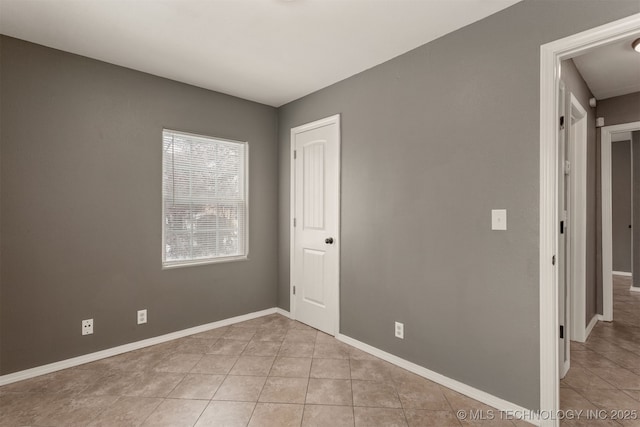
{"x":114,"y":351}
{"x":479,"y":395}
{"x":474,"y":393}
{"x":621,"y":273}
{"x":591,"y":325}
{"x":634,"y":289}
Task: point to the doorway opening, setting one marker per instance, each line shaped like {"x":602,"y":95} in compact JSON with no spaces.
{"x":607,"y":135}
{"x":551,"y":56}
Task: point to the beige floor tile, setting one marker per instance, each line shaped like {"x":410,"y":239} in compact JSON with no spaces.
{"x":30,"y":385}
{"x":194,"y":345}
{"x":74,"y":411}
{"x":610,"y":399}
{"x":214,"y":364}
{"x":591,"y":359}
{"x":178,"y":362}
{"x":296,"y":349}
{"x":154,"y":384}
{"x":624,"y":358}
{"x":572,"y":399}
{"x":589,"y":423}
{"x":329,"y":392}
{"x":240,"y":388}
{"x":330,"y":368}
{"x":228,"y":347}
{"x":68,"y":381}
{"x":295,"y":367}
{"x":211,"y":334}
{"x":162,"y":348}
{"x":635,"y":394}
{"x":276,"y":335}
{"x":425,"y":418}
{"x":262,"y":348}
{"x":226,"y":414}
{"x":276,"y":415}
{"x":581,"y":378}
{"x":358,"y":354}
{"x":197,"y":386}
{"x":326,"y":415}
{"x":369,"y":370}
{"x":252,"y":365}
{"x":176,"y":413}
{"x":21,"y":409}
{"x":143,"y":360}
{"x":369,"y":417}
{"x":619,"y":377}
{"x":114,"y":384}
{"x":284,"y":390}
{"x":458,"y":401}
{"x":127,"y":411}
{"x":335,"y":350}
{"x":239,"y":333}
{"x":374,"y":394}
{"x":421,"y":393}
{"x":299,"y":335}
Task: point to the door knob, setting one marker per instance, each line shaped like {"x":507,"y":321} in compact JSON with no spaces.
{"x":329,"y":241}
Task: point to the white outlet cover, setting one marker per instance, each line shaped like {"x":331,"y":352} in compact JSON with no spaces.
{"x":87,"y":327}
{"x":142,"y":316}
{"x":499,"y":219}
{"x":399,"y":330}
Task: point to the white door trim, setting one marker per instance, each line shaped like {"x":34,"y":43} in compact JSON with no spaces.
{"x":551,"y":54}
{"x":335,"y":119}
{"x":607,"y":226}
{"x":578,"y":220}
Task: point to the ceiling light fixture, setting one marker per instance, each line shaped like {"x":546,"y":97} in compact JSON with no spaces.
{"x":636,"y":45}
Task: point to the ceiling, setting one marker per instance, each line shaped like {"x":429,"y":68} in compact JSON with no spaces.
{"x":269,"y":51}
{"x":611,"y":70}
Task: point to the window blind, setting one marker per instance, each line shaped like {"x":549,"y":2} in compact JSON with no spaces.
{"x":204,"y":191}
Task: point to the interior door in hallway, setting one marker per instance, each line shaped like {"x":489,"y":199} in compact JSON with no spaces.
{"x":316,"y":223}
{"x":563,"y":241}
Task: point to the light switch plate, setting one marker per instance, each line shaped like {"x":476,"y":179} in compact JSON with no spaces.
{"x":498,"y":219}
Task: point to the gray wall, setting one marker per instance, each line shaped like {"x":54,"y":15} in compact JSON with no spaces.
{"x":81,"y":206}
{"x":575,"y":84}
{"x":431,"y":142}
{"x":621,"y":205}
{"x":619,"y":109}
{"x":616,"y":110}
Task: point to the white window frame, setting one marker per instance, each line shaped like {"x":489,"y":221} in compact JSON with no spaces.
{"x":218,"y":259}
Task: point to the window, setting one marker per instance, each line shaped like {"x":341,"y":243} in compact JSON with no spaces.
{"x":204,"y":196}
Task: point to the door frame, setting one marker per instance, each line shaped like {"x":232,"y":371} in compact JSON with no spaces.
{"x":607,"y":216}
{"x":578,"y":220}
{"x":551,"y":54}
{"x":335,"y":119}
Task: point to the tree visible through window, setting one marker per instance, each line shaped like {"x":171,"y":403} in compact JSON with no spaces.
{"x":204,"y":194}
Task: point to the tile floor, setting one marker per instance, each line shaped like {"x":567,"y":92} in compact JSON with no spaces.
{"x":269,"y":371}
{"x":605,"y":370}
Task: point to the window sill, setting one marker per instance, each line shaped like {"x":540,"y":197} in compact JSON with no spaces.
{"x":170,"y":266}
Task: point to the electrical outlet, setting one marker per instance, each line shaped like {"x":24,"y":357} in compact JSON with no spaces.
{"x":87,"y":327}
{"x":400,"y":330}
{"x":142,"y":316}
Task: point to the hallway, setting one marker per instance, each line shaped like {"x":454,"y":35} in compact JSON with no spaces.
{"x":605,"y":370}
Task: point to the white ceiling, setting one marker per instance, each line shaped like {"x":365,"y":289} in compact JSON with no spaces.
{"x":611,"y":70}
{"x":269,"y":51}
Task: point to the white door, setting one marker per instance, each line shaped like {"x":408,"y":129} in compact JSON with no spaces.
{"x":563,"y":241}
{"x":315,"y":239}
